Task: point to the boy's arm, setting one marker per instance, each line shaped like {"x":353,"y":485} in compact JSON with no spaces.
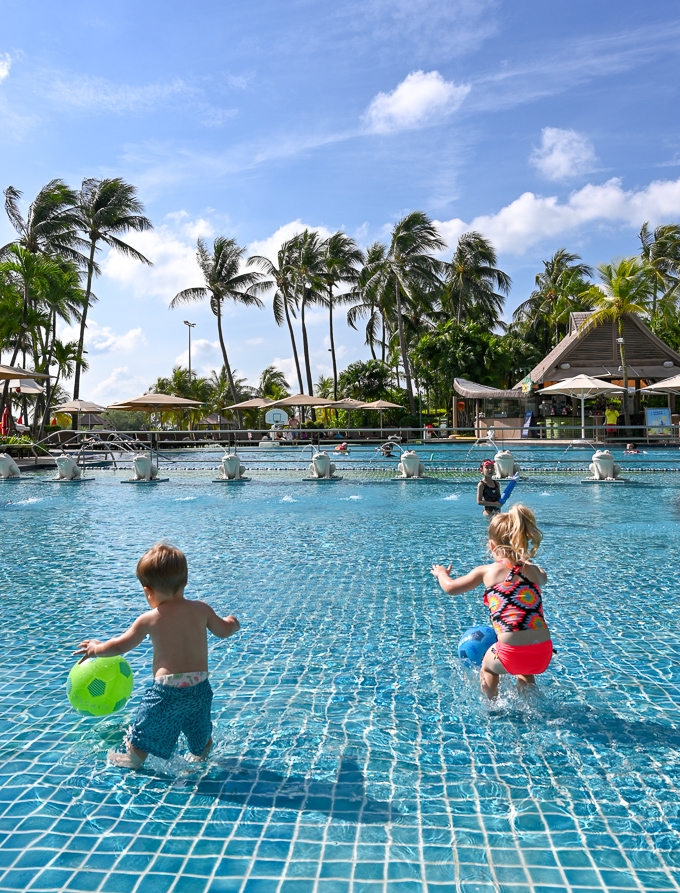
{"x":463,"y":584}
{"x":222,"y":627}
{"x":118,"y":645}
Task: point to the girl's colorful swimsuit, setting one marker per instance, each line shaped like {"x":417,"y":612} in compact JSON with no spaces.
{"x":515,"y":605}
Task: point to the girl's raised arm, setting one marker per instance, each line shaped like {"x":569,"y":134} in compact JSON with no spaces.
{"x":462,"y":584}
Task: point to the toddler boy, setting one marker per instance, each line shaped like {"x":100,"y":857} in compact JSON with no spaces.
{"x":180,"y":698}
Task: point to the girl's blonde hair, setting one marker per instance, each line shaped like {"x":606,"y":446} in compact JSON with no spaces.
{"x":515,"y":534}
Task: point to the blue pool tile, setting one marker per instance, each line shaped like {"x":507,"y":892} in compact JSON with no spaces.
{"x":333,"y":886}
{"x":200,"y":865}
{"x":267,"y":868}
{"x":273,"y":849}
{"x":297,"y":886}
{"x":301,"y":869}
{"x":404,"y":887}
{"x":258,"y":885}
{"x":86,"y":881}
{"x":168,"y":864}
{"x":120,"y":883}
{"x":34,"y":858}
{"x":231,"y":867}
{"x":369,"y":871}
{"x":367,"y":887}
{"x":225,"y":885}
{"x":51,"y":879}
{"x":156,"y":883}
{"x":441,"y":873}
{"x":208,"y":847}
{"x":187,"y":884}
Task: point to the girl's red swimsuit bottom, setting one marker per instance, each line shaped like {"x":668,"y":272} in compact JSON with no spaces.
{"x":524,"y":660}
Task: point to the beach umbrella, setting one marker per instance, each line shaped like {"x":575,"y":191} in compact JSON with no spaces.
{"x":667,"y":386}
{"x":381,"y":405}
{"x":253,"y":403}
{"x":155,"y":403}
{"x":79,"y":406}
{"x":15,"y":372}
{"x":25,"y":386}
{"x":303,"y":400}
{"x":582,"y":387}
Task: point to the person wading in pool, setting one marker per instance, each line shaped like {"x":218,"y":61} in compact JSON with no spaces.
{"x":512,"y":593}
{"x":488,"y":490}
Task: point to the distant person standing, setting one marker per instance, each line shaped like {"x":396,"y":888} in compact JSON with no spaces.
{"x":611,"y":420}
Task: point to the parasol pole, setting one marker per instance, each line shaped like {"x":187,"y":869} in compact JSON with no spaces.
{"x":583,"y":414}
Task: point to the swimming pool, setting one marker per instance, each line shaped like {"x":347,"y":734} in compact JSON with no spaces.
{"x":354,"y":753}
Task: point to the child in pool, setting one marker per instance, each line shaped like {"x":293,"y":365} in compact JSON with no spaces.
{"x":180,"y":698}
{"x":512,"y":592}
{"x":488,"y":490}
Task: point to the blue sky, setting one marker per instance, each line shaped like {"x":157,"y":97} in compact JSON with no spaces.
{"x":541,"y":124}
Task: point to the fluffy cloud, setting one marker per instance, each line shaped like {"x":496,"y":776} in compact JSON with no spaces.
{"x":121,"y":384}
{"x":5,"y":65}
{"x":171,"y":248}
{"x":102,"y":339}
{"x":269,"y":247}
{"x":422,"y":98}
{"x":205,"y":356}
{"x":531,"y":218}
{"x":563,"y":154}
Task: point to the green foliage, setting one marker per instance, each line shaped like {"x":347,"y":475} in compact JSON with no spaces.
{"x":120,"y":420}
{"x":364,"y":380}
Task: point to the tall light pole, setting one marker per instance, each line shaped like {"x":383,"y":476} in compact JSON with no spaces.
{"x":190,"y":326}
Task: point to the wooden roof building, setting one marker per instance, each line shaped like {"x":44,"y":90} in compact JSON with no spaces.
{"x":593,"y":350}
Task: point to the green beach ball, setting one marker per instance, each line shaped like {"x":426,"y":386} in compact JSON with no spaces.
{"x":100,"y":686}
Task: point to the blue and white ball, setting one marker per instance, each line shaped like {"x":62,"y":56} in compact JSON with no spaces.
{"x":475,"y":643}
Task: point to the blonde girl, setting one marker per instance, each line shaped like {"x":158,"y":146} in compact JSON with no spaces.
{"x":512,"y":593}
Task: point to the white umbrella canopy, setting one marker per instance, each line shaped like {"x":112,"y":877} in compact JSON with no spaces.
{"x":25,"y":386}
{"x":79,"y":406}
{"x":381,"y":404}
{"x":302,"y":400}
{"x":667,"y":386}
{"x":583,"y":387}
{"x":16,"y":372}
{"x":347,"y":403}
{"x":253,"y":403}
{"x":155,"y":403}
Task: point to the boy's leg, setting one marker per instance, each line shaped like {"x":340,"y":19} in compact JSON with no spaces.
{"x":197,"y":724}
{"x":133,"y":758}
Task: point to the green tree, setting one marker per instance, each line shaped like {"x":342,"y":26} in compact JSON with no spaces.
{"x":660,"y":252}
{"x":285,"y":303}
{"x":473,"y":284}
{"x":411,"y":268}
{"x":342,"y":259}
{"x":561,"y":288}
{"x":223,"y":281}
{"x":370,"y":299}
{"x":626,"y":289}
{"x":106,"y":209}
{"x":308,"y":275}
{"x":365,"y":380}
{"x":272,"y":384}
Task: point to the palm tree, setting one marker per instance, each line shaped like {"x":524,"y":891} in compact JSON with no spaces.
{"x":626,"y":289}
{"x":223,"y":282}
{"x":412,"y":270}
{"x":371,"y":300}
{"x":107,"y":208}
{"x":661,"y":253}
{"x":51,"y":225}
{"x":272,"y":384}
{"x":285,"y":302}
{"x":308,"y":275}
{"x":473,"y":281}
{"x":561,"y":288}
{"x":342,"y":257}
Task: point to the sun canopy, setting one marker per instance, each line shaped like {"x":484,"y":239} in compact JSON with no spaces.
{"x":253,"y":403}
{"x":155,"y":403}
{"x":381,"y":404}
{"x":79,"y":406}
{"x":16,"y":372}
{"x":582,"y":386}
{"x":25,"y":386}
{"x":302,"y":400}
{"x":347,"y":403}
{"x":668,"y":386}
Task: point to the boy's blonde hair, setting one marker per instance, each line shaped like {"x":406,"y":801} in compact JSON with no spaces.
{"x":163,"y":568}
{"x":516,"y":534}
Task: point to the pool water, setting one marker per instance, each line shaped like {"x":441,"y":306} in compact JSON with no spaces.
{"x":353,"y":751}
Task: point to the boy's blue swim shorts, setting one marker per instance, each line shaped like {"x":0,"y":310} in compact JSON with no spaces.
{"x":165,"y":711}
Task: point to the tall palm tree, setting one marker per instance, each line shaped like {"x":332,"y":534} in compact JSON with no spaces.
{"x":272,"y":384}
{"x":413,"y":270}
{"x":561,"y":287}
{"x":223,"y":281}
{"x":371,"y":296}
{"x":660,"y":250}
{"x":107,"y":208}
{"x":308,"y":275}
{"x":51,"y":225}
{"x":342,"y":258}
{"x":626,"y":289}
{"x":473,"y":281}
{"x":285,"y":303}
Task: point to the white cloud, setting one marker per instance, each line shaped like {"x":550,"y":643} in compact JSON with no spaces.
{"x":287,"y":366}
{"x":205,"y":356}
{"x":563,"y":154}
{"x":98,"y":93}
{"x":5,"y":65}
{"x":531,"y":218}
{"x":173,"y":254}
{"x":422,"y":98}
{"x":269,"y":247}
{"x":102,"y":339}
{"x":121,"y":384}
